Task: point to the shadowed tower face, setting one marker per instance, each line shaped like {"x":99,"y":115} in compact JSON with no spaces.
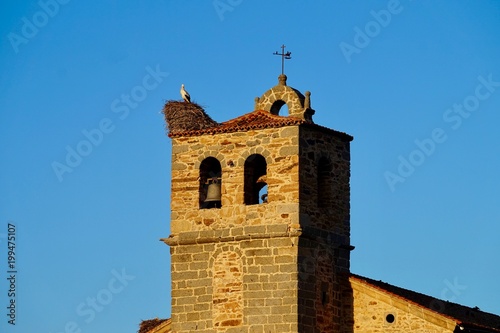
{"x":259,"y":219}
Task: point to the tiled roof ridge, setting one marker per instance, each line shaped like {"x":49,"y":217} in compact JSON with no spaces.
{"x":266,"y":114}
{"x":257,"y":119}
{"x":381,"y":284}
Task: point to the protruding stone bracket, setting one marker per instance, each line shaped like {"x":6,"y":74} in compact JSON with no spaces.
{"x":298,"y":105}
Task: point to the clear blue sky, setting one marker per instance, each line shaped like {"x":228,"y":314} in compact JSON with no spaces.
{"x":417,"y":83}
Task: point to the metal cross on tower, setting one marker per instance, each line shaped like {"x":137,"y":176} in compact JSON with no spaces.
{"x":284,"y":56}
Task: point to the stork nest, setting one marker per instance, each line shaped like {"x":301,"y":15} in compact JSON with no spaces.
{"x":147,"y":325}
{"x":184,"y":116}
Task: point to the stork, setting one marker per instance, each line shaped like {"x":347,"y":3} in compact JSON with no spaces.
{"x":185,"y":94}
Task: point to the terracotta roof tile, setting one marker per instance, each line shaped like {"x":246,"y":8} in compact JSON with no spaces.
{"x":258,"y":119}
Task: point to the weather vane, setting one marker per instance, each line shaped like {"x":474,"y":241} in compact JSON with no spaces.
{"x":284,"y":56}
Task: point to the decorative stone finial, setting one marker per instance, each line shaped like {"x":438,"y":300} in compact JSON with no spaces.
{"x":282,"y":80}
{"x":307,"y":100}
{"x":256,"y":102}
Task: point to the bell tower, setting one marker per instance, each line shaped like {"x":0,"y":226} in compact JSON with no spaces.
{"x":260,"y":226}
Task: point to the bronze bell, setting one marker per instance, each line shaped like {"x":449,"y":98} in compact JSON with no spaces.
{"x":213,"y":190}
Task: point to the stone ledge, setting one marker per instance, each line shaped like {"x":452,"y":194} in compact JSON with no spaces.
{"x":219,"y":236}
{"x":258,"y":232}
{"x":330,"y":239}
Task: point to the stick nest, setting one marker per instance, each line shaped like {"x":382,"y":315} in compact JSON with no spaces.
{"x":184,"y":116}
{"x":147,"y":325}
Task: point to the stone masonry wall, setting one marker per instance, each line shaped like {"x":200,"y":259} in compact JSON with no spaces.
{"x":234,"y":268}
{"x":279,"y":146}
{"x":269,"y":267}
{"x":242,"y":286}
{"x":376,"y":312}
{"x":324,"y":253}
{"x":321,"y":293}
{"x":334,"y":215}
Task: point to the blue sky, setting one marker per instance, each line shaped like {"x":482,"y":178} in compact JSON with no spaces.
{"x":86,"y":163}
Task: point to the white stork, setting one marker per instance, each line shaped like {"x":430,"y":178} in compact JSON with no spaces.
{"x":185,"y":94}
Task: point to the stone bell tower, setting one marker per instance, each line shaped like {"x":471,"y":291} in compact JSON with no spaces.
{"x":260,"y":234}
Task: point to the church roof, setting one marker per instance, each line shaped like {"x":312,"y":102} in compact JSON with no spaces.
{"x":464,"y":316}
{"x":258,"y":119}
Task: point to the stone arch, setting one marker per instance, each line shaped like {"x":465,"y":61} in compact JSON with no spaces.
{"x":264,"y":185}
{"x":281,"y":94}
{"x":255,"y":179}
{"x":222,"y":247}
{"x":276,"y":97}
{"x":210,"y":173}
{"x":227,"y":283}
{"x":206,"y":154}
{"x":254,"y":150}
{"x":277,"y":105}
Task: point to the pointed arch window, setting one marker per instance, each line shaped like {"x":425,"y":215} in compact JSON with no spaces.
{"x":210,"y":183}
{"x":255,"y":180}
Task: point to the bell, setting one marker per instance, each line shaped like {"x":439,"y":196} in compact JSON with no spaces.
{"x":213,"y":192}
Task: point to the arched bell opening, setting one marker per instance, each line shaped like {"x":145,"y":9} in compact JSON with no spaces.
{"x":325,"y":183}
{"x":276,"y":107}
{"x":255,"y":182}
{"x":210,"y":183}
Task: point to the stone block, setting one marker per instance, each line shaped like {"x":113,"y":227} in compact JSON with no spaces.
{"x":259,"y":229}
{"x":269,"y":269}
{"x":182,"y":292}
{"x":186,"y":300}
{"x":289,"y":132}
{"x":258,"y":252}
{"x":256,"y":243}
{"x":264,"y":260}
{"x":258,"y":329}
{"x":284,"y":259}
{"x":259,"y":311}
